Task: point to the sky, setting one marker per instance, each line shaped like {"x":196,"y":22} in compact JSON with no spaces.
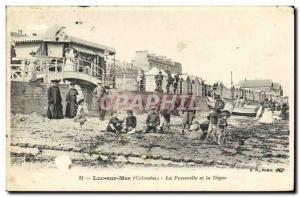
{"x":252,"y":42}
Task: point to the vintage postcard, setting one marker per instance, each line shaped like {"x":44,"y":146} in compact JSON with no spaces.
{"x":150,"y":98}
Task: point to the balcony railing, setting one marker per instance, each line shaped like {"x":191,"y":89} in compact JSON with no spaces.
{"x":54,"y":66}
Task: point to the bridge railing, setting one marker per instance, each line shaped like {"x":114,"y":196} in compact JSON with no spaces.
{"x":47,"y":65}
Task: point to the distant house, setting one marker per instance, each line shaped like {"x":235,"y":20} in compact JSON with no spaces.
{"x":146,"y":61}
{"x":266,"y":86}
{"x":122,"y":67}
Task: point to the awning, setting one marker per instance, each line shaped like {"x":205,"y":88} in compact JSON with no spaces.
{"x":83,"y":50}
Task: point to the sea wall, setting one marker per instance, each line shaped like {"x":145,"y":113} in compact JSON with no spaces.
{"x":30,"y":97}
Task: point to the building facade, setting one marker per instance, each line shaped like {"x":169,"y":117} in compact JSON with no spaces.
{"x":146,"y":61}
{"x":267,"y":87}
{"x":52,"y":48}
{"x":123,"y":67}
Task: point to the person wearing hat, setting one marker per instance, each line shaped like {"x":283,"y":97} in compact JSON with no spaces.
{"x":81,"y":113}
{"x":130,"y":122}
{"x":55,"y":109}
{"x":221,"y":131}
{"x":214,"y":118}
{"x":99,"y":93}
{"x":115,"y":125}
{"x":140,"y":80}
{"x":71,"y":99}
{"x":188,"y":114}
{"x":158,"y":81}
{"x":152,"y":120}
{"x":219,"y":104}
{"x":169,"y":82}
{"x":217,"y":126}
{"x":175,"y":83}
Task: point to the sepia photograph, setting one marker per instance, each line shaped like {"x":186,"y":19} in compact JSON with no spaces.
{"x":150,"y":98}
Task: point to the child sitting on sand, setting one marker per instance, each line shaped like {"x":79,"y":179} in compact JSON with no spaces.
{"x":114,"y":124}
{"x":152,"y":120}
{"x":130,"y":122}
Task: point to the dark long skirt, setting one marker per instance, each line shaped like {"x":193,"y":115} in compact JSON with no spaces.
{"x":71,"y":110}
{"x":55,"y":111}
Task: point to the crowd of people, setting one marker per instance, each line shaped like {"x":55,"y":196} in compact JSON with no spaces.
{"x":75,"y":108}
{"x":76,"y":111}
{"x":171,"y":81}
{"x":72,"y":61}
{"x":157,"y":120}
{"x":266,"y":109}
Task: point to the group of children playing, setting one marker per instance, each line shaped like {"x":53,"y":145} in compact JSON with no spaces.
{"x":155,"y":122}
{"x":160,"y":122}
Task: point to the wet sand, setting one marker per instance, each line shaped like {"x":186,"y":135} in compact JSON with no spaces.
{"x":249,"y":144}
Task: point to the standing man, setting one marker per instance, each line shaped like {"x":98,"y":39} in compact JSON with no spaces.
{"x":140,"y":80}
{"x":71,"y":109}
{"x":100,"y":92}
{"x":188,"y":114}
{"x":284,"y":111}
{"x":55,"y":109}
{"x":175,"y":84}
{"x":158,"y":80}
{"x":169,"y":82}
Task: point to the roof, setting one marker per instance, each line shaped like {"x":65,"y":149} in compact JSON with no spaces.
{"x":185,"y":77}
{"x":59,"y":31}
{"x":255,"y":83}
{"x":30,"y":39}
{"x":16,"y":34}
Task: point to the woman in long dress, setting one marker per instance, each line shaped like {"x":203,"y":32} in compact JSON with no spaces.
{"x":32,"y":75}
{"x":55,"y":109}
{"x":71,"y":99}
{"x":266,"y":114}
{"x":69,"y":65}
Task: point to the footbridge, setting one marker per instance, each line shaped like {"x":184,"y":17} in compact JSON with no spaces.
{"x":48,"y":69}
